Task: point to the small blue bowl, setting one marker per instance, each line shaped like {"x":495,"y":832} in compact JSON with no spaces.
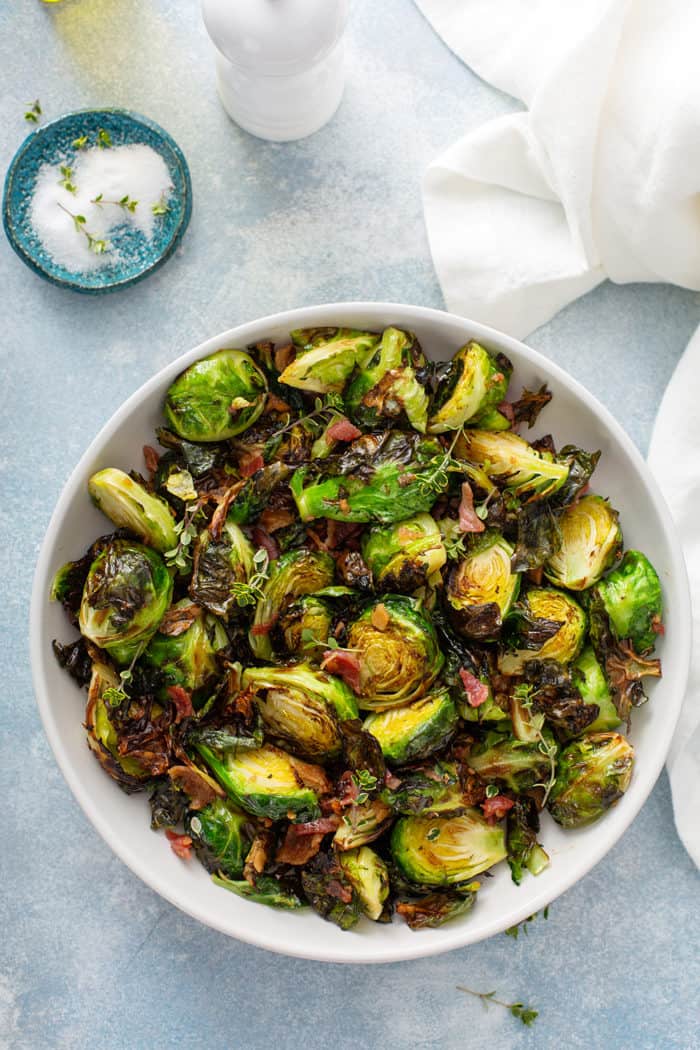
{"x":52,"y":144}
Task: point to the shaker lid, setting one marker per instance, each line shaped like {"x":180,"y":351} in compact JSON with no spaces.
{"x":274,"y":37}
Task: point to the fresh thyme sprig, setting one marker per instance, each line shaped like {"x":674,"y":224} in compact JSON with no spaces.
{"x":33,"y":112}
{"x":161,"y":206}
{"x":67,"y":180}
{"x":251,"y":593}
{"x":367,"y":782}
{"x":323,"y":406}
{"x":435,"y":477}
{"x":525,"y":1014}
{"x":127,"y":203}
{"x":525,"y":694}
{"x":115,"y":695}
{"x":180,"y":557}
{"x":95,"y":244}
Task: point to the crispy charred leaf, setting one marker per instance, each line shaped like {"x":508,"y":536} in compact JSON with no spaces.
{"x":267,"y":890}
{"x":69,"y":581}
{"x":197,"y":459}
{"x":361,"y":750}
{"x":531,"y":631}
{"x":529,"y":405}
{"x":436,"y":909}
{"x":581,"y":466}
{"x":257,"y":492}
{"x":168,"y":804}
{"x":524,"y":852}
{"x":624,"y":669}
{"x":423,"y":789}
{"x":538,"y":536}
{"x":224,"y":738}
{"x":556,"y":696}
{"x":75,"y":659}
{"x":330,"y":892}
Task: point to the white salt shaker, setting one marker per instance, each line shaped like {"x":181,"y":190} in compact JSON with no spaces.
{"x":279,"y":63}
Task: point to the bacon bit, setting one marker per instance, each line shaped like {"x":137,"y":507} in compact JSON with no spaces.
{"x":340,"y":892}
{"x":276,"y":404}
{"x":298,"y":848}
{"x":177,"y":621}
{"x":344,"y":506}
{"x":348,"y":789}
{"x":343,"y":430}
{"x":310,"y":775}
{"x":151,"y":458}
{"x":391,"y":781}
{"x":318,"y":543}
{"x":181,"y":845}
{"x":469,"y":521}
{"x":262,"y":538}
{"x":321,"y":826}
{"x":183,"y":702}
{"x":194,"y":783}
{"x":330,"y":805}
{"x":284,"y":355}
{"x":263,"y":628}
{"x":657,"y":626}
{"x":250,"y":463}
{"x":380,"y":618}
{"x":506,"y":409}
{"x":258,"y":855}
{"x":346,"y":665}
{"x":498,"y":377}
{"x":274,"y":518}
{"x":476,"y":691}
{"x":222,"y":509}
{"x":535,"y":576}
{"x":496,"y":808}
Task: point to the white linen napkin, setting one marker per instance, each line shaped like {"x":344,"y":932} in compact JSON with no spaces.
{"x":599,"y":177}
{"x":674,"y":456}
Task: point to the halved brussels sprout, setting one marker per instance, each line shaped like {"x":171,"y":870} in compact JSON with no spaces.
{"x":126,"y":594}
{"x":101,"y":734}
{"x":436,"y":909}
{"x":631,"y":596}
{"x":592,"y":774}
{"x":545,"y":606}
{"x":302,"y":706}
{"x":516,"y":464}
{"x":326,"y":357}
{"x":524,"y":851}
{"x":255,"y":495}
{"x":219,"y":565}
{"x":590,"y":681}
{"x":266,"y":890}
{"x":429,"y":790}
{"x":444,"y":851}
{"x":591,"y":541}
{"x":369,"y":877}
{"x":403,"y":556}
{"x":380,"y":477}
{"x":296,"y":573}
{"x":129,"y":506}
{"x":414,"y":730}
{"x":481,"y":588}
{"x":398,"y":652}
{"x":305,"y":625}
{"x":187,"y":658}
{"x":221,"y":837}
{"x":263,"y":781}
{"x":330,"y":892}
{"x":386,"y":386}
{"x":475,"y":382}
{"x":362,"y":824}
{"x":217,"y":397}
{"x":517,"y":764}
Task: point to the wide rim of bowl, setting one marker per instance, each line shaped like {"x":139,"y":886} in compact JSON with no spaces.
{"x":74,"y":285}
{"x":451,"y":937}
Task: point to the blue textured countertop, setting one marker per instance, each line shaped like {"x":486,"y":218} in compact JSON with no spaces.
{"x":90,"y":957}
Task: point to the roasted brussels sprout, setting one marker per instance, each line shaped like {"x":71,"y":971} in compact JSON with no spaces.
{"x":592,"y":774}
{"x":369,"y":877}
{"x":296,"y":573}
{"x":216,"y":397}
{"x":186,"y":654}
{"x":429,"y":790}
{"x":380,"y":477}
{"x":397,"y":650}
{"x":524,"y":851}
{"x":218,"y":566}
{"x":266,"y":890}
{"x":539,"y":612}
{"x":414,"y":731}
{"x":257,"y":490}
{"x":386,"y":385}
{"x":330,"y":892}
{"x":126,"y":594}
{"x":443,"y":851}
{"x":302,"y":706}
{"x":631,"y":596}
{"x":590,"y":681}
{"x":220,"y":836}
{"x":306,"y":624}
{"x":517,"y":764}
{"x":129,"y":506}
{"x":516,"y":464}
{"x":436,"y":909}
{"x":475,"y":382}
{"x":102,"y":736}
{"x":591,"y":541}
{"x":326,"y":357}
{"x":263,"y":781}
{"x":362,"y":823}
{"x":403,"y":556}
{"x":481,"y":587}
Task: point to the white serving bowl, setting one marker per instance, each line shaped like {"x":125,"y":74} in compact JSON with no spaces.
{"x":573,"y":416}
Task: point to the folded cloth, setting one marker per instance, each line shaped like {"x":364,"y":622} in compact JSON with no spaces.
{"x":599,"y":177}
{"x":674,"y":457}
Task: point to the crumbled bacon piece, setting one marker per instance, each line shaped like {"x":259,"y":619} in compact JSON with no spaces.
{"x":506,"y":409}
{"x":476,"y":691}
{"x":194,"y":783}
{"x":181,"y":845}
{"x":250,"y":463}
{"x":380,"y":618}
{"x":496,"y":808}
{"x":311,"y":776}
{"x":182,"y":700}
{"x":535,"y":576}
{"x":284,"y":355}
{"x":276,"y":404}
{"x":340,"y":892}
{"x":391,"y":781}
{"x":346,"y":665}
{"x":274,"y":518}
{"x":177,"y":621}
{"x":262,"y":538}
{"x":151,"y":458}
{"x":298,"y":848}
{"x":263,"y":628}
{"x":348,"y":789}
{"x":469,"y":521}
{"x":343,"y":430}
{"x":321,"y":826}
